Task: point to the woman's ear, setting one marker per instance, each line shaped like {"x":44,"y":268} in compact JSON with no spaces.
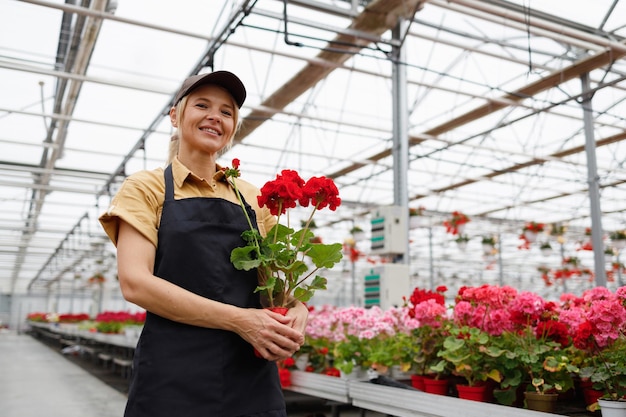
{"x":173,"y":117}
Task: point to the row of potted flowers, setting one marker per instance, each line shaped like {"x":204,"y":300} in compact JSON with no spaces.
{"x":106,"y":322}
{"x":489,"y":335}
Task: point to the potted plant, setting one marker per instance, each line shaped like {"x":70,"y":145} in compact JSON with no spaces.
{"x":415,"y":216}
{"x":283,"y":257}
{"x":570,"y":262}
{"x":618,"y":238}
{"x":473,"y":357}
{"x":97,"y":279}
{"x":558,"y":230}
{"x":456,"y":224}
{"x":601,"y":335}
{"x":357,"y":233}
{"x":461,"y":241}
{"x":531,"y":230}
{"x":545,"y":248}
{"x":489,"y":243}
{"x":426,"y":308}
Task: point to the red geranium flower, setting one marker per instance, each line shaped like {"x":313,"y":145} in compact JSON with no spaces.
{"x":287,"y":260}
{"x":282,"y":193}
{"x":321,"y":192}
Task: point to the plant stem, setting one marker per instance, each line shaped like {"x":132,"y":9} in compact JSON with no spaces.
{"x":245,"y":212}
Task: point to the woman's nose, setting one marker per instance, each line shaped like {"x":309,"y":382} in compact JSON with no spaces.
{"x":214,"y":115}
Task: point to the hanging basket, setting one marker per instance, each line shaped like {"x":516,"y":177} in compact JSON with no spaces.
{"x":531,"y":237}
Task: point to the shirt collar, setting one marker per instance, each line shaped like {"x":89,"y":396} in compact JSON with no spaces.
{"x":180,"y":173}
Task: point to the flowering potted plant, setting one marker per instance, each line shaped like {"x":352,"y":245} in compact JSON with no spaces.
{"x":115,"y":321}
{"x":415,"y":216}
{"x":456,"y":224}
{"x":96,"y":278}
{"x":534,"y":227}
{"x":461,"y":241}
{"x":537,"y":345}
{"x":545,"y":248}
{"x":601,"y":335}
{"x":357,"y":233}
{"x":281,"y":256}
{"x":427,"y":317}
{"x":557,"y":229}
{"x":570,"y":262}
{"x":529,"y":233}
{"x":545,"y":245}
{"x":471,"y":354}
{"x":618,"y":238}
{"x":618,"y":235}
{"x":488,"y":243}
{"x":416,"y":211}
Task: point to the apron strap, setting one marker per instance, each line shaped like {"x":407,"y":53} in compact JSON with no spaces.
{"x":169,"y":183}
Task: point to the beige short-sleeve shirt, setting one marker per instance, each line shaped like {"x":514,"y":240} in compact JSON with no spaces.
{"x":139,"y":201}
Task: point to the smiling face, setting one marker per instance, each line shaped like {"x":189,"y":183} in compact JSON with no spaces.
{"x":208,"y":120}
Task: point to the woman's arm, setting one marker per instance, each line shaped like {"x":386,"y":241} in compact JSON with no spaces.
{"x":270,"y":333}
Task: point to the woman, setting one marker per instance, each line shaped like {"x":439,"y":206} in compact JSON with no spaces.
{"x":174,"y":229}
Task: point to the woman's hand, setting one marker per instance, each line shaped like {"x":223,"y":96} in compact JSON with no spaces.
{"x":300,"y":314}
{"x":271,"y":334}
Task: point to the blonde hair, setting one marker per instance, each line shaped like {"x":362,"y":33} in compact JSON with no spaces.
{"x":175,"y":139}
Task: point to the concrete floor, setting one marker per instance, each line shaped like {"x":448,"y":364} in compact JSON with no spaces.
{"x":36,"y":380}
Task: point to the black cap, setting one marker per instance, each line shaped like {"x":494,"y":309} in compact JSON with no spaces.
{"x":224,"y":79}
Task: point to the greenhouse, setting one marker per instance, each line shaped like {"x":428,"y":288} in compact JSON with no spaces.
{"x":477,"y":148}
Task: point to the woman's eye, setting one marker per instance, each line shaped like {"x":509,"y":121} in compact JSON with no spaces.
{"x":227,"y":113}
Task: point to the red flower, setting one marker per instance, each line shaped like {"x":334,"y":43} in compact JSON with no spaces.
{"x":534,"y":227}
{"x":583,"y":336}
{"x":553,"y":330}
{"x":321,"y":192}
{"x":420,"y":295}
{"x":282,"y":193}
{"x":234,"y":171}
{"x":452,"y":224}
{"x":285,"y":377}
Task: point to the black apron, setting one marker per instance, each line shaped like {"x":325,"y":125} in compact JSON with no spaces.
{"x":183,"y":370}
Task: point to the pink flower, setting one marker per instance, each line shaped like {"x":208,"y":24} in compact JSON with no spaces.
{"x":429,"y":313}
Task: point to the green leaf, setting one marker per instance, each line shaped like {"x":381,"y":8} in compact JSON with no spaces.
{"x":302,"y":294}
{"x":453,"y":344}
{"x":269,"y":285}
{"x":325,"y":256}
{"x":319,"y":283}
{"x":505,"y":396}
{"x":242,"y":258}
{"x":251,"y":236}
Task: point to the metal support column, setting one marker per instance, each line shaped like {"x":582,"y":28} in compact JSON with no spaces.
{"x":593,"y":181}
{"x":400,"y":150}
